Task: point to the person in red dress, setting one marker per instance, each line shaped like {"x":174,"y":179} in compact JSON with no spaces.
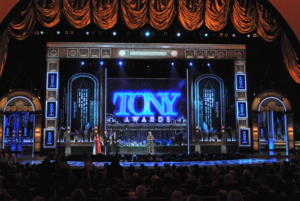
{"x":98,"y":144}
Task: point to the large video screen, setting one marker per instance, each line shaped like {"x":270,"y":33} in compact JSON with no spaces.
{"x":146,"y":100}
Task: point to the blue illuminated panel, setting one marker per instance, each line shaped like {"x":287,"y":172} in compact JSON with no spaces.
{"x":242,"y":109}
{"x":25,"y":132}
{"x":52,"y":80}
{"x":241,"y":82}
{"x":51,"y":109}
{"x":245,"y":139}
{"x":163,"y":103}
{"x":262,"y":132}
{"x":7,"y":131}
{"x":49,"y":138}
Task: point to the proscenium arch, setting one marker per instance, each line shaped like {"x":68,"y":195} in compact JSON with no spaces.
{"x":21,"y":97}
{"x":222,"y":98}
{"x":265,"y":95}
{"x":28,"y":95}
{"x":96,"y":97}
{"x":257,"y":102}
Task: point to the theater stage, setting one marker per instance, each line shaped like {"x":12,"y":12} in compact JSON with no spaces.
{"x":150,"y":165}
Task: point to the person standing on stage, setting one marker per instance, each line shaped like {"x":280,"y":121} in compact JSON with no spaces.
{"x":150,"y":144}
{"x":114,"y":143}
{"x":106,"y":141}
{"x":98,"y":144}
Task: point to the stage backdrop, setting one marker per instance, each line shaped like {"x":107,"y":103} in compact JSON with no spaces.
{"x":146,"y":101}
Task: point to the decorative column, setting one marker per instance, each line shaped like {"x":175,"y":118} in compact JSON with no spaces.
{"x":290,"y":132}
{"x":255,"y":137}
{"x":242,"y":130}
{"x":1,"y":130}
{"x":52,"y":96}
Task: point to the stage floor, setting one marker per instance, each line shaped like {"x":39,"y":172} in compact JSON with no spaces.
{"x":150,"y":165}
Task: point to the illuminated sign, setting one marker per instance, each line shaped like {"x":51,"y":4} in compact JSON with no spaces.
{"x":52,"y":80}
{"x":51,"y":109}
{"x":245,"y":140}
{"x":242,"y":109}
{"x":262,"y":132}
{"x":25,"y":132}
{"x":241,"y":82}
{"x":49,"y":138}
{"x":163,"y":103}
{"x":7,"y":131}
{"x":148,"y":53}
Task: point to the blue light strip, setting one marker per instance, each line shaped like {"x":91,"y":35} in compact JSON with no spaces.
{"x":249,"y":138}
{"x":49,"y":80}
{"x":54,"y":108}
{"x":238,"y":109}
{"x":45,"y":138}
{"x":238,"y":82}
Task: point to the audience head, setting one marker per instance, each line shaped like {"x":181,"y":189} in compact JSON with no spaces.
{"x":1,"y":181}
{"x":141,"y":192}
{"x":66,"y":199}
{"x":222,"y":195}
{"x":235,"y":195}
{"x":263,"y":193}
{"x":78,"y":195}
{"x":50,"y":155}
{"x":246,"y":173}
{"x":135,"y":176}
{"x":228,"y":179}
{"x":193,"y":198}
{"x":176,"y":196}
{"x":62,"y":158}
{"x":154,"y":178}
{"x":86,"y":157}
{"x":115,"y":161}
{"x":38,"y":198}
{"x":232,"y":172}
{"x":215,"y":172}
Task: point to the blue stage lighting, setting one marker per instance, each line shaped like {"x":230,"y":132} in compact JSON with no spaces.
{"x":206,"y":34}
{"x":87,"y":33}
{"x":82,"y":63}
{"x":172,"y":63}
{"x":147,"y":33}
{"x":58,"y":32}
{"x":178,"y":34}
{"x":208,"y":64}
{"x":101,"y":63}
{"x":120,"y":63}
{"x":191,"y":64}
{"x":248,"y":35}
{"x":114,"y":33}
{"x":233,"y":35}
{"x":42,"y":32}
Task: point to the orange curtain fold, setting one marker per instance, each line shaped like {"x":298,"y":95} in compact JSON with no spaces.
{"x":267,"y":27}
{"x":161,"y":13}
{"x":22,"y":25}
{"x":190,"y":13}
{"x":290,"y":58}
{"x":243,"y":17}
{"x":49,"y":14}
{"x":4,"y":39}
{"x":105,"y":13}
{"x":134,"y":13}
{"x":217,"y":14}
{"x":77,"y":12}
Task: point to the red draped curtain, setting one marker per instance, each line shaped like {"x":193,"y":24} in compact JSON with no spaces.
{"x":245,"y":15}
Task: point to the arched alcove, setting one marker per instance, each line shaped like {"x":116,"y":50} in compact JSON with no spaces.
{"x":209,"y":103}
{"x":20,"y":121}
{"x":272,"y":122}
